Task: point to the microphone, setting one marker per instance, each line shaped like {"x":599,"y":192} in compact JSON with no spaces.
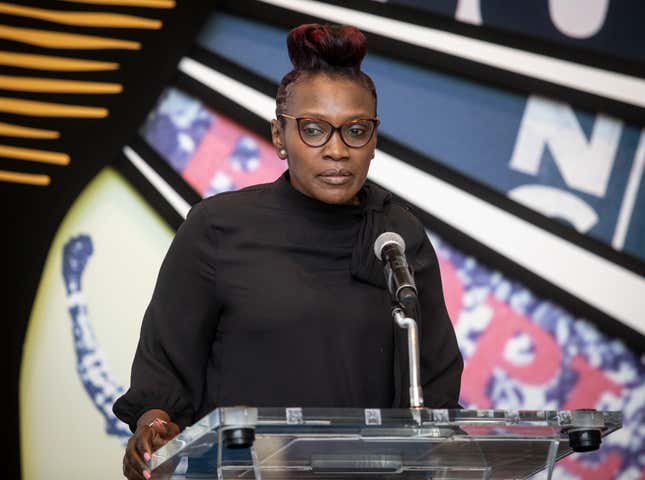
{"x":389,"y":248}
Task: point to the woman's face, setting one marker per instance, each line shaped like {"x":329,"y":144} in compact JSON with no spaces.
{"x":332,"y":173}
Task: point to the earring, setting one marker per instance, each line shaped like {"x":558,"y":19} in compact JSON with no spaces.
{"x":282,"y":153}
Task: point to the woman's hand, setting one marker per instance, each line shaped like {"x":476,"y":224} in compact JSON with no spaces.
{"x":154,"y":429}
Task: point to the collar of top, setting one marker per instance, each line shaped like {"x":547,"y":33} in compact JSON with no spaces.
{"x":370,"y":196}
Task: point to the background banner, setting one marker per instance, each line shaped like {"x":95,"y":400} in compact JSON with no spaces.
{"x":523,"y":156}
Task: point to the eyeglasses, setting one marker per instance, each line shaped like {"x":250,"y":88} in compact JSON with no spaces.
{"x":316,"y":132}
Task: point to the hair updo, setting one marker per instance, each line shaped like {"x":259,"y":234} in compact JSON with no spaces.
{"x":334,"y":50}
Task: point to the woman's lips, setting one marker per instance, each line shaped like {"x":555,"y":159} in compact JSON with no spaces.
{"x":336,"y":177}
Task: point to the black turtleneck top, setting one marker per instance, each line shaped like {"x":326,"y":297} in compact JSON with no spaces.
{"x":267,"y":297}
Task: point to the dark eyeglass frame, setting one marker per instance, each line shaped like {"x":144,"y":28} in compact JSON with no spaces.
{"x":375,"y":121}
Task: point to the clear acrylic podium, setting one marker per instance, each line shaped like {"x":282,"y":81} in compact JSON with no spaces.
{"x":378,"y":444}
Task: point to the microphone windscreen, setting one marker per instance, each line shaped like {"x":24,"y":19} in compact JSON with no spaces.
{"x":385,"y":239}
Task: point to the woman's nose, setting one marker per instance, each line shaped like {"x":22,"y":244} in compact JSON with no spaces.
{"x":335,"y":148}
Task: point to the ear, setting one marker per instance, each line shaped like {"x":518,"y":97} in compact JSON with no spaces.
{"x":276,"y":135}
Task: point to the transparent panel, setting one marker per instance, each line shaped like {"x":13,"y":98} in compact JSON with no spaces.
{"x":293,"y":443}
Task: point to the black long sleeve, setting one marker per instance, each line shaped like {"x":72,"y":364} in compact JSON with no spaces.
{"x":169,"y":367}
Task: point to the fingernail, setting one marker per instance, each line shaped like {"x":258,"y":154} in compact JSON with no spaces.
{"x":146,"y":473}
{"x":147,"y":456}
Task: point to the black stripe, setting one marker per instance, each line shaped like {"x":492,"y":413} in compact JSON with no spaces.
{"x":148,"y":191}
{"x":164,"y":169}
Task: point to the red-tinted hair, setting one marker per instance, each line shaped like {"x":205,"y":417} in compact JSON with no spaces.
{"x":335,"y":50}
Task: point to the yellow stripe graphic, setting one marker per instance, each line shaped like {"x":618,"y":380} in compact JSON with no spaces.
{"x":81,"y":19}
{"x":47,"y":109}
{"x":10,"y":130}
{"x":48,"y":39}
{"x":129,"y":3}
{"x":33,"y":155}
{"x":54,"y":85}
{"x":50,"y":62}
{"x":27,"y":178}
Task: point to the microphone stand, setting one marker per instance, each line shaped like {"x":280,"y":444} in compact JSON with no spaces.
{"x":416,"y":393}
{"x":389,"y":248}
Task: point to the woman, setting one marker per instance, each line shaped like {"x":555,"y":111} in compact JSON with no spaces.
{"x":272,"y":295}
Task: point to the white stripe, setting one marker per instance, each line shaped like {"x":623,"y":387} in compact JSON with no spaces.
{"x":616,"y":86}
{"x":254,"y":101}
{"x":629,"y":198}
{"x":602,"y":284}
{"x":167,"y":192}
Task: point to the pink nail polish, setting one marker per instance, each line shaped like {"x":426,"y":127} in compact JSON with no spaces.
{"x":146,"y":473}
{"x":146,"y":456}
